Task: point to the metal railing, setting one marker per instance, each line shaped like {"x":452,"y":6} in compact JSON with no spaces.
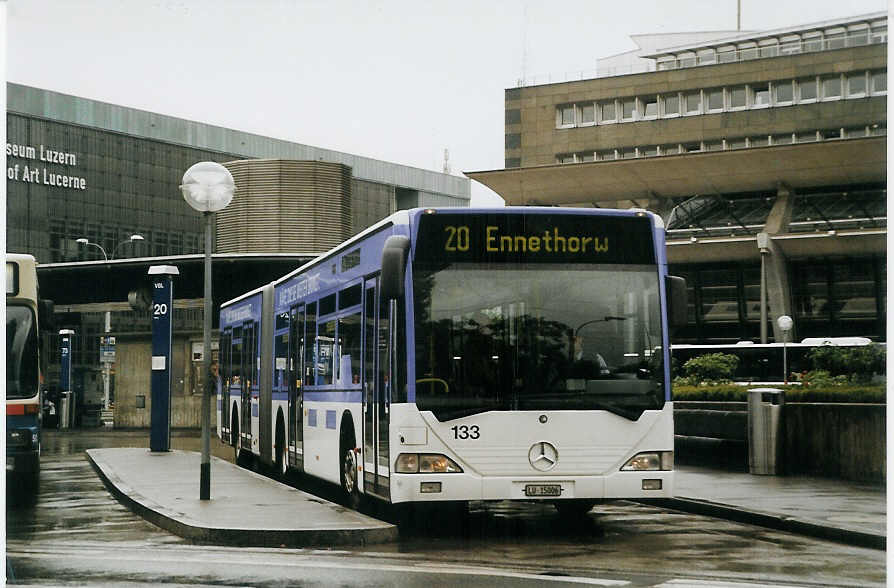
{"x":781,"y":49}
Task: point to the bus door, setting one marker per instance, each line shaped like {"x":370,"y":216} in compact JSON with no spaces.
{"x":249,"y":349}
{"x":376,"y":395}
{"x":225,"y":367}
{"x":296,"y":387}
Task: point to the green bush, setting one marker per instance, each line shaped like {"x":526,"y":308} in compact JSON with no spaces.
{"x":859,"y":364}
{"x":711,"y":367}
{"x":873,"y":394}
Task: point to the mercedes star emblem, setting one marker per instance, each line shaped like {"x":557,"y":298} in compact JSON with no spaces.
{"x":543,"y":456}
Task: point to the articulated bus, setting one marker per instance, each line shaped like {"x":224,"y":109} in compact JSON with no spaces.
{"x":23,"y":402}
{"x":459,"y":354}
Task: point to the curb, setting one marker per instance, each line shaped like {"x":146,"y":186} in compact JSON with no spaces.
{"x":772,"y":521}
{"x":157,"y":515}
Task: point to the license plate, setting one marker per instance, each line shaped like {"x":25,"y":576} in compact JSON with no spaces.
{"x":543,"y":490}
{"x":10,"y":463}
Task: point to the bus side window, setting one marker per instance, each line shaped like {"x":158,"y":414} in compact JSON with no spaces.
{"x":310,"y":353}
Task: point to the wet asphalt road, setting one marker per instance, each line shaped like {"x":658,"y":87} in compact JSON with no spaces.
{"x":78,"y":534}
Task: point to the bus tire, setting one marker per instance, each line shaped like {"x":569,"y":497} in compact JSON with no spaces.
{"x":281,"y":449}
{"x":348,"y":467}
{"x":574,"y":508}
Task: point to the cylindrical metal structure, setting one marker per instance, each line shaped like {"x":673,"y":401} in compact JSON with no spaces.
{"x":765,"y":407}
{"x":286,"y":206}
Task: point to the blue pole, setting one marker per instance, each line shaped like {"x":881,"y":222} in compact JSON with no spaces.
{"x":162,"y":309}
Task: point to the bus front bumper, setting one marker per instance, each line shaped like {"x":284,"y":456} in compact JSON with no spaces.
{"x":449,"y":487}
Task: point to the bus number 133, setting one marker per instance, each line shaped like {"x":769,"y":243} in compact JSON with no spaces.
{"x":465,"y":432}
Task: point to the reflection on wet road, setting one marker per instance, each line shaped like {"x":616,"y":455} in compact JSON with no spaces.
{"x":77,"y":533}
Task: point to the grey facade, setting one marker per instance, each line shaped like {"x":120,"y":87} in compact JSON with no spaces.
{"x":82,"y":168}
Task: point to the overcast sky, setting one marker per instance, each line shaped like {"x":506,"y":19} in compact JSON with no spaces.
{"x":395,"y":80}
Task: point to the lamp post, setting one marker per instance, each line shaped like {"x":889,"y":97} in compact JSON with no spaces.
{"x":107,"y":328}
{"x":207,"y":187}
{"x":785,"y":324}
{"x":133,"y":238}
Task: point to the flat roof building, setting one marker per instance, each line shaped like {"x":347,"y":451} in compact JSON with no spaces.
{"x":728,"y":136}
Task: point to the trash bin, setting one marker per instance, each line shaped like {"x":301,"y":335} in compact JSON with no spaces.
{"x":765,"y":430}
{"x":65,"y":409}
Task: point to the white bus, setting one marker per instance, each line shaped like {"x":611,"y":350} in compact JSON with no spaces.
{"x":461,"y":354}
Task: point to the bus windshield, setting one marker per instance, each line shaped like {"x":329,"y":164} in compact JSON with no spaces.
{"x":21,"y":353}
{"x":502,"y":336}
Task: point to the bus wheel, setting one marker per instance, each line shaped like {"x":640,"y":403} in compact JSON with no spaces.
{"x":572,"y":509}
{"x":282,"y":451}
{"x":349,"y":474}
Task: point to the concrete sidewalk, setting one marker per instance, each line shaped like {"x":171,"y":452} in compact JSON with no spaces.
{"x":164,"y":489}
{"x":837,"y":510}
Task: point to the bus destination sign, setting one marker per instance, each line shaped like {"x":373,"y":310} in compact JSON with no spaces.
{"x":520,"y":238}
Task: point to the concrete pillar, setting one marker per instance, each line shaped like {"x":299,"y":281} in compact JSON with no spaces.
{"x":778,"y":285}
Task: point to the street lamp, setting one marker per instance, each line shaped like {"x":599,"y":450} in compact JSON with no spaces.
{"x":107,"y":328}
{"x":207,"y":187}
{"x":785,"y":324}
{"x":85,"y":241}
{"x":131,"y":239}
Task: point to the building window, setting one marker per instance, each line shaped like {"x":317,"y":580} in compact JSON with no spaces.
{"x":671,"y":105}
{"x":627,"y":153}
{"x":586,"y":156}
{"x":566,"y":116}
{"x":715,"y":99}
{"x":737,"y":98}
{"x":879,"y":32}
{"x":835,"y":39}
{"x":879,"y":81}
{"x":726,"y":54}
{"x":855,"y":132}
{"x":878,"y":129}
{"x":831,"y":87}
{"x":650,"y":106}
{"x":628,"y":109}
{"x":749,"y":51}
{"x":830,"y":134}
{"x":608,"y":113}
{"x":806,"y":137}
{"x":713,"y":145}
{"x":790,"y":45}
{"x":650,"y":151}
{"x":693,"y":102}
{"x":858,"y":36}
{"x":812,"y":41}
{"x":856,"y":85}
{"x":758,"y":141}
{"x":769,"y":48}
{"x":587,"y":114}
{"x":784,"y":92}
{"x":807,"y":90}
{"x":692,"y":147}
{"x":565,"y":158}
{"x":606,"y":155}
{"x":760,"y":95}
{"x":669,"y":149}
{"x":782,"y":139}
{"x":706,"y":56}
{"x":736,"y":143}
{"x":687,"y":59}
{"x":719,"y":295}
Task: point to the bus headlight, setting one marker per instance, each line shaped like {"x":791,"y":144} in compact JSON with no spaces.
{"x":18,"y":438}
{"x":650,"y":461}
{"x":425,"y":463}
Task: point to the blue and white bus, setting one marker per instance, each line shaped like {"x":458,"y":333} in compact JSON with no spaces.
{"x":460,"y":354}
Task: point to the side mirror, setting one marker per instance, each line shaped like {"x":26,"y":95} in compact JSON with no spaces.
{"x":394,"y":266}
{"x":675,"y":288}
